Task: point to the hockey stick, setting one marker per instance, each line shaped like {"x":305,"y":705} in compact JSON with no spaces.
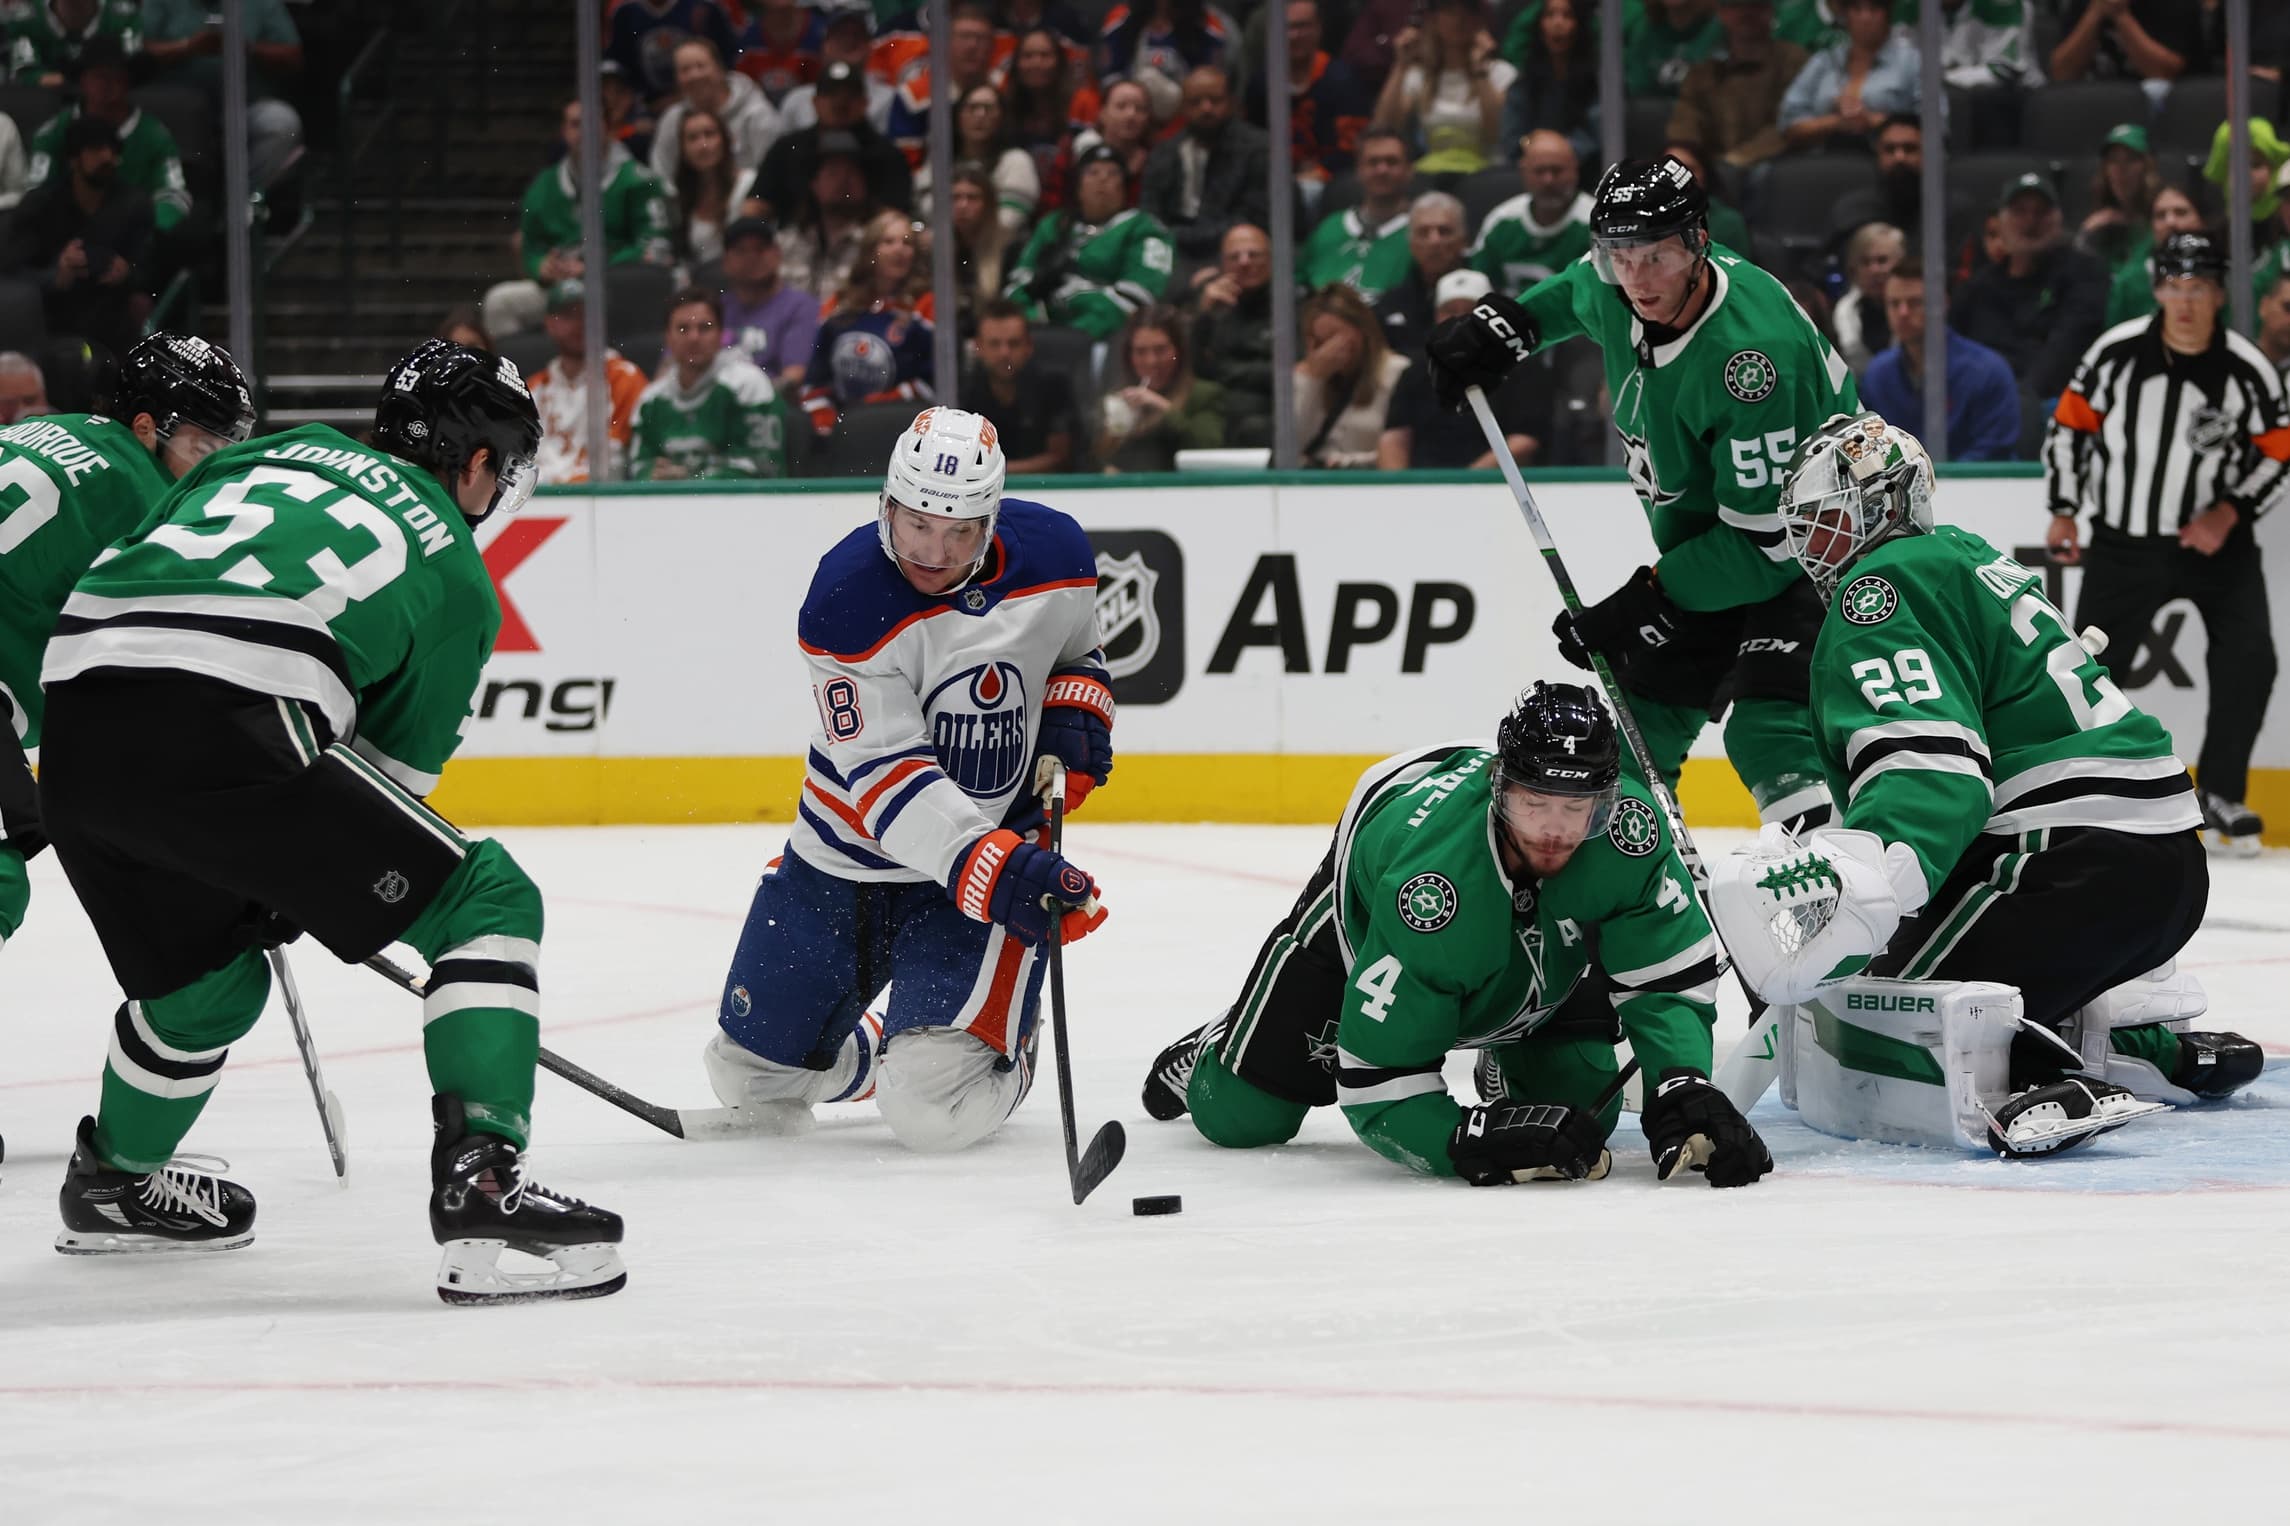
{"x":1752,"y":1073}
{"x":329,"y":1106}
{"x":1086,"y":1169}
{"x":683,"y":1122}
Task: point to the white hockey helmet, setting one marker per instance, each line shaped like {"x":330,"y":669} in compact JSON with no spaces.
{"x":948,"y":465}
{"x":1856,"y":481}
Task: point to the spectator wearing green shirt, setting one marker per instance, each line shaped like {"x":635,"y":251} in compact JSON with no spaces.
{"x":636,"y":229}
{"x":1164,"y":407}
{"x":184,"y":40}
{"x":1542,"y":230}
{"x":711,"y":414}
{"x":45,"y":37}
{"x":148,"y":159}
{"x":1664,"y":40}
{"x":2131,"y":294}
{"x":1365,"y":247}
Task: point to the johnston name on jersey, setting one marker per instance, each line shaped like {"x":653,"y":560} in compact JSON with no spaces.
{"x":1446,"y":951}
{"x":1950,"y":698}
{"x":929,"y":704}
{"x":310,"y":567}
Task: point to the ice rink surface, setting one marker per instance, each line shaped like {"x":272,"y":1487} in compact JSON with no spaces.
{"x":828,"y":1328}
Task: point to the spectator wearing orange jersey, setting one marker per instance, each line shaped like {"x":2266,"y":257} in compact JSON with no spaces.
{"x":560,"y":393}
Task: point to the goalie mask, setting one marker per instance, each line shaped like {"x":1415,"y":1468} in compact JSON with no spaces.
{"x":1856,"y":482}
{"x":941,"y":496}
{"x":1557,"y":760}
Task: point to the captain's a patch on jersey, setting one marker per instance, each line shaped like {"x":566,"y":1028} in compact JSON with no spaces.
{"x":1868,"y":600}
{"x":1750,"y":376}
{"x":1634,"y":829}
{"x":1427,"y":902}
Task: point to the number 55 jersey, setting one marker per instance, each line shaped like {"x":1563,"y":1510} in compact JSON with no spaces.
{"x":1951,"y":699}
{"x":310,"y":567}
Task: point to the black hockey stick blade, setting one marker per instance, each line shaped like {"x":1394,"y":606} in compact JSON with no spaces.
{"x":1097,"y":1162}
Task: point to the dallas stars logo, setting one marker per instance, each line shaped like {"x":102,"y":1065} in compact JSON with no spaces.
{"x":1750,"y":376}
{"x":1427,"y":902}
{"x":1634,"y":829}
{"x":1868,"y":600}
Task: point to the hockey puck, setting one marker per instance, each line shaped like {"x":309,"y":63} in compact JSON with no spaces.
{"x":1148,"y":1207}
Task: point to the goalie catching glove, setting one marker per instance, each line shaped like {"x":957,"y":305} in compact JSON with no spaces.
{"x":1505,"y":1142}
{"x":1794,"y":915}
{"x":1691,"y":1125}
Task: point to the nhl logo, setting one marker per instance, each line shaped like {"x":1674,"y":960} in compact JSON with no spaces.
{"x":1750,"y":376}
{"x":391,"y":888}
{"x":1634,"y":831}
{"x":1427,"y":902}
{"x":2209,"y":429}
{"x":1128,"y":623}
{"x":1868,"y":601}
{"x":974,"y":601}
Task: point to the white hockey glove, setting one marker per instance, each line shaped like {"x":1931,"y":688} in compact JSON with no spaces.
{"x":1792,"y":912}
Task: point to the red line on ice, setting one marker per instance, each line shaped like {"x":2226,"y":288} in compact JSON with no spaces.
{"x":1702,"y":1407}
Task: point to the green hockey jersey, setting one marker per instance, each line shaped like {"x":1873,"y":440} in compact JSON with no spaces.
{"x":731,"y":425}
{"x":1344,"y":249}
{"x":1950,"y":698}
{"x":1709,"y":418}
{"x":70,"y":485}
{"x":39,"y":44}
{"x":148,"y":160}
{"x":636,"y":223}
{"x":1446,"y":951}
{"x":311,"y":567}
{"x":1514,"y":251}
{"x":1093,"y":279}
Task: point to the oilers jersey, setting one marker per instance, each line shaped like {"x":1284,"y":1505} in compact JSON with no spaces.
{"x":929,"y":705}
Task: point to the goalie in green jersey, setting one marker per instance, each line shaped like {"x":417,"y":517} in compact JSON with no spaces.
{"x":2008,"y":818}
{"x":1485,"y":899}
{"x":1716,"y":375}
{"x":70,"y":485}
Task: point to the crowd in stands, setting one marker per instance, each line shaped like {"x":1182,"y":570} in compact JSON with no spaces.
{"x":1110,"y":201}
{"x":98,"y":213}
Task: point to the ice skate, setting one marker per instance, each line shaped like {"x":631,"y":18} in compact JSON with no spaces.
{"x":1171,"y":1074}
{"x":182,"y":1206}
{"x":2230,"y":827}
{"x":481,"y":1205}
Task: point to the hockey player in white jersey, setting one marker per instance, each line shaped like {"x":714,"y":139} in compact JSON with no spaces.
{"x":954,"y":655}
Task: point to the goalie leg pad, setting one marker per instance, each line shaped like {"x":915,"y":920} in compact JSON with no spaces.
{"x":1915,"y":1062}
{"x":2164,"y":997}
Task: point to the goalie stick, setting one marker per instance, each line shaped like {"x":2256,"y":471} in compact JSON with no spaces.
{"x":1084,"y":1170}
{"x":683,"y":1122}
{"x":1742,"y":1083}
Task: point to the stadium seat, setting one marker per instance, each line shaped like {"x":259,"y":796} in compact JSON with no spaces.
{"x":1978,"y":179}
{"x":2074,"y":118}
{"x":1799,"y":197}
{"x":30,"y":106}
{"x":2075,"y":177}
{"x":1646,"y":126}
{"x":862,"y":441}
{"x":1343,"y":193}
{"x":636,"y":297}
{"x":23,"y":318}
{"x":2191,"y":113}
{"x":643,"y":346}
{"x":528,"y":352}
{"x":189,"y":113}
{"x":1069,"y":352}
{"x":1483,"y":192}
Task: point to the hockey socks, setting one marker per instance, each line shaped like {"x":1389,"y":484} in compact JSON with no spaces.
{"x":166,"y":1056}
{"x":15,"y":892}
{"x":480,"y":1013}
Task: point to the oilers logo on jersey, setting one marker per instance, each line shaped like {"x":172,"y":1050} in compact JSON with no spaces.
{"x":978,"y":728}
{"x":863,"y":364}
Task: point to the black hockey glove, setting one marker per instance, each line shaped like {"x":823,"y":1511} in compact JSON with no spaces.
{"x":1478,"y":348}
{"x":1628,"y":625}
{"x":1690,"y":1124}
{"x":1505,"y":1142}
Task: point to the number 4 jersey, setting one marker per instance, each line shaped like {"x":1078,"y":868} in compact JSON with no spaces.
{"x":313,"y":568}
{"x":1950,"y":698}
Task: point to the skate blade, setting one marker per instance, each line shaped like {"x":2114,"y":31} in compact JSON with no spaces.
{"x":78,"y":1242}
{"x":470,"y":1273}
{"x":2232,"y":847}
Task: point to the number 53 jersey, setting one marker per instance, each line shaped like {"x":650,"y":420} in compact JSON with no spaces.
{"x":310,"y":567}
{"x":1950,"y":698}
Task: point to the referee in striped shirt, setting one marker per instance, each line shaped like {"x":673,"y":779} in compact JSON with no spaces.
{"x":2174,"y":434}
